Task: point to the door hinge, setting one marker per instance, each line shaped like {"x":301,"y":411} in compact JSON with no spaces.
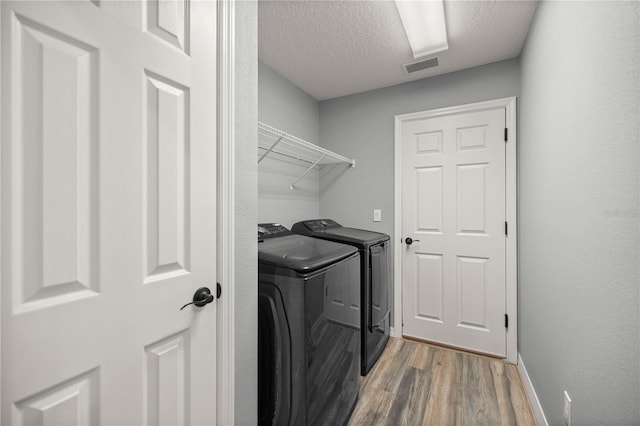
{"x":506,"y":228}
{"x":218,"y":290}
{"x":506,"y":321}
{"x":506,"y":134}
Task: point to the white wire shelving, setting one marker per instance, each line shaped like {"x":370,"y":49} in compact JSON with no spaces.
{"x":272,"y":141}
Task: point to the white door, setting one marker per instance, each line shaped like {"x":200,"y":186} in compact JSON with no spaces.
{"x":453,"y":208}
{"x":108,"y":212}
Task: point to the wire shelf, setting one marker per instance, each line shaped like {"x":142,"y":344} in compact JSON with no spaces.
{"x":272,"y":141}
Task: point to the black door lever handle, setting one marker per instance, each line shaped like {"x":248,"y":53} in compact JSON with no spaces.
{"x":201,"y":297}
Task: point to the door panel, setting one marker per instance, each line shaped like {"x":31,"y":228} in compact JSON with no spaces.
{"x":430,"y":292}
{"x":54,"y":204}
{"x":167,"y":380}
{"x":454,"y":210}
{"x":472,"y":199}
{"x":472,"y":292}
{"x":108,"y":212}
{"x":169,"y":20}
{"x":167,"y":166}
{"x":429,"y":199}
{"x":74,"y":402}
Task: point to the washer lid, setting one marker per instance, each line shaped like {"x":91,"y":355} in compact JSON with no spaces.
{"x":300,"y":253}
{"x":355,"y":236}
{"x":331,"y":230}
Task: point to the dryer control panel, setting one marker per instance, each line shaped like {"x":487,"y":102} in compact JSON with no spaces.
{"x":271,"y":230}
{"x":319,"y":225}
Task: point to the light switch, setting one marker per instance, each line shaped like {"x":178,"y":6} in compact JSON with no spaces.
{"x":377,"y":215}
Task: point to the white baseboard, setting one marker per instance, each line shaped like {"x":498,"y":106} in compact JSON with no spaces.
{"x":541,"y":420}
{"x":392,"y":332}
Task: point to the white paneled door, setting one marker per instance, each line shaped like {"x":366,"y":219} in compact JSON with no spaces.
{"x":108,"y":212}
{"x":453,"y":230}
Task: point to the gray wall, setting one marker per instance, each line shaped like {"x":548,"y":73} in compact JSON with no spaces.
{"x":284,"y":106}
{"x":362,"y":127}
{"x":578,"y":192}
{"x":246,"y":249}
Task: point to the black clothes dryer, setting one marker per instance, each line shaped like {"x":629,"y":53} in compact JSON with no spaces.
{"x":308,"y":346}
{"x":374,"y":291}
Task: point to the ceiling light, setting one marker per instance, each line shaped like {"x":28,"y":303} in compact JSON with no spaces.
{"x":423,"y":21}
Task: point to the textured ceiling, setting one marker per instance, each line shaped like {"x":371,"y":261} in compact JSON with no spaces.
{"x":337,"y":48}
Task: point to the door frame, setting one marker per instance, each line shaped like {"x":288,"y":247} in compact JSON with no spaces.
{"x":225,"y":139}
{"x":225,"y":268}
{"x":511,"y":259}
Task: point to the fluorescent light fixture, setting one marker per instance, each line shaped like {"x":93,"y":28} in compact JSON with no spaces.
{"x":423,"y":21}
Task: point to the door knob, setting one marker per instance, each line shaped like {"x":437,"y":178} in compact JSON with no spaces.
{"x":201,"y":297}
{"x":409,"y":241}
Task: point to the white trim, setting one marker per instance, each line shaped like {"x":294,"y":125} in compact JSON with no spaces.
{"x":511,"y":205}
{"x":225,"y":374}
{"x":541,"y":420}
{"x":397,"y":231}
{"x":511,"y":215}
{"x":1,"y":215}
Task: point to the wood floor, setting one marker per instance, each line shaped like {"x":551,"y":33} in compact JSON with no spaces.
{"x":417,"y":384}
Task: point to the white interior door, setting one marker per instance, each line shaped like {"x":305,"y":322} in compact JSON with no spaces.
{"x":453,"y":208}
{"x":108,"y":212}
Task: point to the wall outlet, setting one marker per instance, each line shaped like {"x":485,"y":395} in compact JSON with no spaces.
{"x":567,"y":409}
{"x":377,"y":215}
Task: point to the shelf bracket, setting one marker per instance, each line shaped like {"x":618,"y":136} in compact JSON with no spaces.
{"x":293,"y":185}
{"x":270,"y":149}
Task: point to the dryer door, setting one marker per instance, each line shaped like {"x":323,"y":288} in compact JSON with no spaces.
{"x":274,"y":359}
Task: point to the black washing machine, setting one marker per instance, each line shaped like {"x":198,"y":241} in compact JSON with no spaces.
{"x":374,"y":254}
{"x":308,"y":345}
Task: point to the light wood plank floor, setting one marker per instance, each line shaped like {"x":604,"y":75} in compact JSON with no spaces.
{"x":418,"y":384}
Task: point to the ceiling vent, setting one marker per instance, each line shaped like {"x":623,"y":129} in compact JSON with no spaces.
{"x":420,"y":65}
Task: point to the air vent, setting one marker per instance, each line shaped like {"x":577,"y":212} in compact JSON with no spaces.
{"x":420,"y":65}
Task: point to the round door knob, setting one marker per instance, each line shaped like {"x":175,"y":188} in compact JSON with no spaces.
{"x":201,"y":297}
{"x":409,"y":241}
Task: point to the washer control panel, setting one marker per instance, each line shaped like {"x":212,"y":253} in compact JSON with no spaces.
{"x":271,"y":230}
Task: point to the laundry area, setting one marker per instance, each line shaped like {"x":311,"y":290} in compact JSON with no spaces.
{"x":421,"y":177}
{"x":323,"y":288}
{"x":445,"y":193}
{"x":326,"y":264}
{"x":325,"y":186}
{"x":314,"y":346}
